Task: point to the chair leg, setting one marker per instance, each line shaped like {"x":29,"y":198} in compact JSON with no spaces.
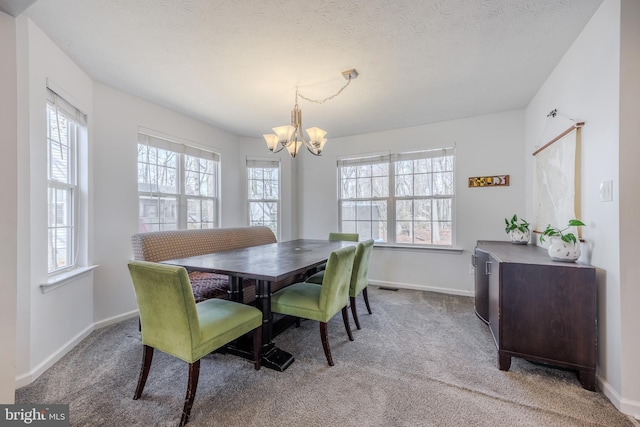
{"x":325,"y":342}
{"x":257,"y":347}
{"x":352,"y":302}
{"x":147,"y":357}
{"x":192,"y":386}
{"x":345,"y":319}
{"x":365,"y":295}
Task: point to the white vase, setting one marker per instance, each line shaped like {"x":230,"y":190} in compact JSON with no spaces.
{"x":520,"y":238}
{"x":559,"y":250}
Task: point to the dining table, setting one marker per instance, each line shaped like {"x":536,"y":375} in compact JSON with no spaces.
{"x":266,"y":264}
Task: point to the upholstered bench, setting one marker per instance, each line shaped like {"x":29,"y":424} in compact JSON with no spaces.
{"x":159,"y":246}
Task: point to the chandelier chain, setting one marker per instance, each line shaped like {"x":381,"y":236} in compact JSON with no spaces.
{"x":322,"y":101}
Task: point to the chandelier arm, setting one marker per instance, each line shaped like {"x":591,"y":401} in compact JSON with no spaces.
{"x":282,"y":147}
{"x":310,"y":149}
{"x":322,"y":101}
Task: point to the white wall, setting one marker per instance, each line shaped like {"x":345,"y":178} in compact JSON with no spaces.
{"x":629,"y":194}
{"x":48,"y":324}
{"x":486,"y":145}
{"x":8,"y":214}
{"x":117,"y":119}
{"x":585,"y":86}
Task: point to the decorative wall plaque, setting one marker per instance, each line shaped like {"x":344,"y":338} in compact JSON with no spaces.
{"x":489,"y":181}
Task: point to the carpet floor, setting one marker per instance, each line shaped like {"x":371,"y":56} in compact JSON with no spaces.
{"x":421,"y":359}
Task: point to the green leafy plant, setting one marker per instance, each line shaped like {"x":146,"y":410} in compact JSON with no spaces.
{"x":514,"y":224}
{"x":565,"y":237}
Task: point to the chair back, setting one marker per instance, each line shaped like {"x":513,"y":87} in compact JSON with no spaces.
{"x":360,"y":274}
{"x":335,"y":284}
{"x":168,"y":316}
{"x":347,"y":237}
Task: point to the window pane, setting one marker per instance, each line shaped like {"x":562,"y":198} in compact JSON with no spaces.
{"x":422,"y":210}
{"x":363,"y":171}
{"x":404,"y":167}
{"x":422,"y":166}
{"x":422,"y":185}
{"x":348,"y":189}
{"x":422,"y":232}
{"x":380,"y":186}
{"x":442,"y":233}
{"x":404,"y":210}
{"x":158,"y":213}
{"x":442,"y":210}
{"x":363,"y":189}
{"x":404,"y":232}
{"x":348,"y":211}
{"x":404,"y":185}
{"x":348,"y":227}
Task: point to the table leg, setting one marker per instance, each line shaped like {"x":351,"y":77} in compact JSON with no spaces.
{"x":235,"y":289}
{"x":272,"y":357}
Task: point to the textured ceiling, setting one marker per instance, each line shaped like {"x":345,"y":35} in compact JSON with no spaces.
{"x":236,"y":64}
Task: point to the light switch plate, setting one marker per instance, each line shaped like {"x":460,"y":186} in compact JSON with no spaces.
{"x":606,"y":191}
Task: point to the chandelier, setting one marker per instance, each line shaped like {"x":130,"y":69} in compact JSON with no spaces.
{"x":291,"y":137}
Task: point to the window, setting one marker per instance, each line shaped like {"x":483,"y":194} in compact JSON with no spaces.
{"x":402,"y":198}
{"x":66,"y":128}
{"x":263,"y":189}
{"x":177,"y":185}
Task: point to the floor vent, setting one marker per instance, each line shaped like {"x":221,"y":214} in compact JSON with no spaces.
{"x":384,"y":288}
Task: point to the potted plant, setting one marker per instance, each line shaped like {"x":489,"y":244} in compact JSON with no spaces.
{"x":564,"y":246}
{"x":518,"y":230}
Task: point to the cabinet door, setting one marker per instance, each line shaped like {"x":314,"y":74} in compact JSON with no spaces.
{"x":549,"y":312}
{"x":481,"y":285}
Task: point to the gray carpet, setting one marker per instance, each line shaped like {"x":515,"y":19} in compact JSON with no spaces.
{"x":421,"y":359}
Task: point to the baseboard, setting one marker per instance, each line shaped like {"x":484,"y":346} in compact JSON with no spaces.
{"x":115,"y":319}
{"x":386,"y":284}
{"x":626,"y":406}
{"x":31,"y":376}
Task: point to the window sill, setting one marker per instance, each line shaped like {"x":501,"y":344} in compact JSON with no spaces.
{"x":62,"y":279}
{"x":419,"y":248}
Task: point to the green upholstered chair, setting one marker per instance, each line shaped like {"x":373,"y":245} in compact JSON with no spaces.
{"x":321,"y":303}
{"x":335,"y":237}
{"x":173,"y":323}
{"x":347,"y":237}
{"x":359,"y":278}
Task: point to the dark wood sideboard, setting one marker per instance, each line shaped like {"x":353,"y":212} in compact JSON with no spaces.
{"x":537,"y":309}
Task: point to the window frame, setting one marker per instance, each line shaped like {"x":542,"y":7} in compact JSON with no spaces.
{"x":391,"y":198}
{"x":75,"y":123}
{"x":152,"y":141}
{"x":258,"y":163}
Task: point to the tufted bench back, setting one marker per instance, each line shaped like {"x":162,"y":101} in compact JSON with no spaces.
{"x":156,"y":246}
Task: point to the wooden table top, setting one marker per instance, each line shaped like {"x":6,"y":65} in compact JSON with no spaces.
{"x":273,"y":262}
